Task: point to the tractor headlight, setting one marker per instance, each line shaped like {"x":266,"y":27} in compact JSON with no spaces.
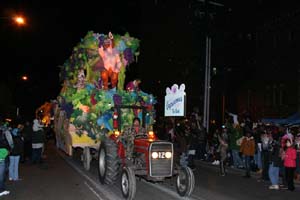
{"x":168,"y":155}
{"x":154,"y":155}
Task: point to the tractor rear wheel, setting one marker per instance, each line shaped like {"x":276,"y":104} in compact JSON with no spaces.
{"x":185,"y":182}
{"x":128,"y":183}
{"x":108,"y":162}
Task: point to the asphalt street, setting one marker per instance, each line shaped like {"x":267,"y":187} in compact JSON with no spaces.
{"x":64,"y":178}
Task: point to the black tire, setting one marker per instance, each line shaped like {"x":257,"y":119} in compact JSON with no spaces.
{"x":108,"y":162}
{"x":87,"y":158}
{"x":76,"y":153}
{"x":185,"y":182}
{"x":128,"y":183}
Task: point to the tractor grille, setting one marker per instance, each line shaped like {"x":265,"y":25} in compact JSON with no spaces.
{"x":161,"y":167}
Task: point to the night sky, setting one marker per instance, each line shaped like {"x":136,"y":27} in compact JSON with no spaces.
{"x":172,"y":34}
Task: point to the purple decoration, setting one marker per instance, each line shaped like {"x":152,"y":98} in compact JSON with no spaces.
{"x":99,"y":84}
{"x":128,"y":55}
{"x":101,"y":41}
{"x":117,"y":99}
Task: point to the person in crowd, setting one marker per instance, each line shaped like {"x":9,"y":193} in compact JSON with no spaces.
{"x":196,"y":126}
{"x":234,"y":135}
{"x":14,"y":157}
{"x":275,"y":162}
{"x":8,"y":136}
{"x":223,"y":147}
{"x":181,"y":139}
{"x":289,"y":157}
{"x":287,"y":135}
{"x":248,"y":149}
{"x":4,"y":151}
{"x":27,"y":136}
{"x":193,"y":141}
{"x":129,"y":134}
{"x":265,"y":139}
{"x":170,"y":129}
{"x":38,"y":139}
{"x":214,"y":147}
{"x":197,"y":137}
{"x":297,"y":146}
{"x":202,"y":143}
{"x":258,"y":150}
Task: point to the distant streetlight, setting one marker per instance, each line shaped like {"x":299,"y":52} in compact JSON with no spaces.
{"x":20,"y":20}
{"x":24,"y":78}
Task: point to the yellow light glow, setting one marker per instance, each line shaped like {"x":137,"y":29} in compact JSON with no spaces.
{"x":24,"y":78}
{"x":168,"y":155}
{"x":151,"y":133}
{"x":19,"y":20}
{"x":117,"y":133}
{"x":154,"y":155}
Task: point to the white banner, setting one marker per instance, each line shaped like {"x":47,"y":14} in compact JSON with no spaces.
{"x":175,"y":101}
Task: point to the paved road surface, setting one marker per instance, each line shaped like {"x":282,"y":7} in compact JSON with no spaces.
{"x":63,"y":178}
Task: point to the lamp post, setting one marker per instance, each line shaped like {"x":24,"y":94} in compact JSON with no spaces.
{"x":206,"y":104}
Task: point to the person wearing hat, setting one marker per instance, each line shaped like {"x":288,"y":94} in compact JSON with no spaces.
{"x":248,"y":149}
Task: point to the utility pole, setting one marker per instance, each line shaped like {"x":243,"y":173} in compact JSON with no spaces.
{"x":206,"y":106}
{"x":207,"y":83}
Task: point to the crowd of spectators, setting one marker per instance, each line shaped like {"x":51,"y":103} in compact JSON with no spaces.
{"x":270,"y":150}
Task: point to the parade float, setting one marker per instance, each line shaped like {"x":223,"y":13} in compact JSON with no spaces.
{"x":94,"y":112}
{"x":93,"y":80}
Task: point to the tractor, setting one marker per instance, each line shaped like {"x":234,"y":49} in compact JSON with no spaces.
{"x":152,"y":160}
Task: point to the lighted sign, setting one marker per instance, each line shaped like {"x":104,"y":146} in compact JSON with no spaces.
{"x":175,"y":101}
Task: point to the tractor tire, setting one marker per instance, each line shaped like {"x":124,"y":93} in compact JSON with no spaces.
{"x":185,"y":182}
{"x":128,"y":183}
{"x":108,"y":162}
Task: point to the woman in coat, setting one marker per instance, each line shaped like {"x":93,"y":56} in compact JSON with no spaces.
{"x":289,"y":158}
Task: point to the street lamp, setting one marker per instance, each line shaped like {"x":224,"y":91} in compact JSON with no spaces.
{"x":18,"y":19}
{"x":24,"y":78}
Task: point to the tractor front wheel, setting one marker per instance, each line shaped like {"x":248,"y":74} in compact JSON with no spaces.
{"x":128,"y":183}
{"x":185,"y":182}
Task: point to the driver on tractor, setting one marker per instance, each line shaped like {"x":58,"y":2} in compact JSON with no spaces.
{"x":129,"y":134}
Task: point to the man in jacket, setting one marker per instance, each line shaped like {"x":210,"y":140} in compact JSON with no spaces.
{"x":38,"y":139}
{"x":248,"y":150}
